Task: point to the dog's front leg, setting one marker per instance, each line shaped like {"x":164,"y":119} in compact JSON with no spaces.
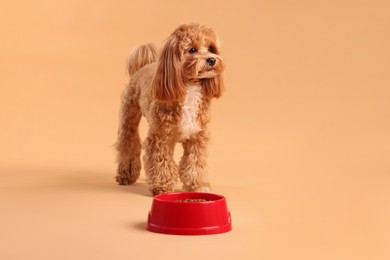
{"x":160,"y":169}
{"x":193,"y":165}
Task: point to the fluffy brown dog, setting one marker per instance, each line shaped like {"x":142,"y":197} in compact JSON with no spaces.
{"x":174,"y":92}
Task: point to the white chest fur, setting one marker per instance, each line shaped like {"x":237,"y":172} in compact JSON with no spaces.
{"x":189,"y":124}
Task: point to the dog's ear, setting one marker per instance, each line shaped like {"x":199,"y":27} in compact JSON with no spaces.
{"x":213,"y":87}
{"x":168,"y":84}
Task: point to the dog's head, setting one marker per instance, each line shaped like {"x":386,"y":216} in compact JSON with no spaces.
{"x":189,"y":56}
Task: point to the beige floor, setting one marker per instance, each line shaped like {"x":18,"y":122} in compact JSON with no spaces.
{"x":301,"y":138}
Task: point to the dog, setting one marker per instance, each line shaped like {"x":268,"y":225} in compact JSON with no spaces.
{"x":173,"y":90}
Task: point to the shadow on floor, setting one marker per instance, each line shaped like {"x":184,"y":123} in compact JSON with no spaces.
{"x":141,"y":226}
{"x":83,"y":180}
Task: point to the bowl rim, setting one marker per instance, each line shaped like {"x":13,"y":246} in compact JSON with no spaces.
{"x":215,"y":197}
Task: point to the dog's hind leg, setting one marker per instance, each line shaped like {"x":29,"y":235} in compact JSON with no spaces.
{"x":129,"y":142}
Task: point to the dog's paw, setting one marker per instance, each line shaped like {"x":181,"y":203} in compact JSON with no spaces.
{"x":126,"y":178}
{"x":197,"y":188}
{"x":203,"y":189}
{"x":127,"y":173}
{"x":157,"y":191}
{"x":123,"y":180}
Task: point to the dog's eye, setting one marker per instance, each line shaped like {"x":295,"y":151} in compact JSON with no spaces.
{"x":192,"y":50}
{"x":211,"y":49}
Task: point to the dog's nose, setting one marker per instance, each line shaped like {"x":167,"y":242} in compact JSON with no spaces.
{"x":211,"y":61}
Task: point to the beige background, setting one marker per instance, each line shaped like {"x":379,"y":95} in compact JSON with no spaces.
{"x":301,"y":138}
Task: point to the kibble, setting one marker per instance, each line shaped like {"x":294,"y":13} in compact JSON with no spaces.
{"x":192,"y":200}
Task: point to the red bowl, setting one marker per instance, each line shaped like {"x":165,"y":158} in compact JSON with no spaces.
{"x":189,"y":213}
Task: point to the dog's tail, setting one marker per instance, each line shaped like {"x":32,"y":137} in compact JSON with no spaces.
{"x":141,"y":56}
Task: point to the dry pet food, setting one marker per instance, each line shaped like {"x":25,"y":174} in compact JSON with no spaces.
{"x":192,"y":200}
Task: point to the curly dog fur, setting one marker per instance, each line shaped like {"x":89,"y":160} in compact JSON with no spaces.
{"x":173,"y":91}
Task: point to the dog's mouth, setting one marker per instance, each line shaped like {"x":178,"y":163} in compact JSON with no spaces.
{"x":208,"y":72}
